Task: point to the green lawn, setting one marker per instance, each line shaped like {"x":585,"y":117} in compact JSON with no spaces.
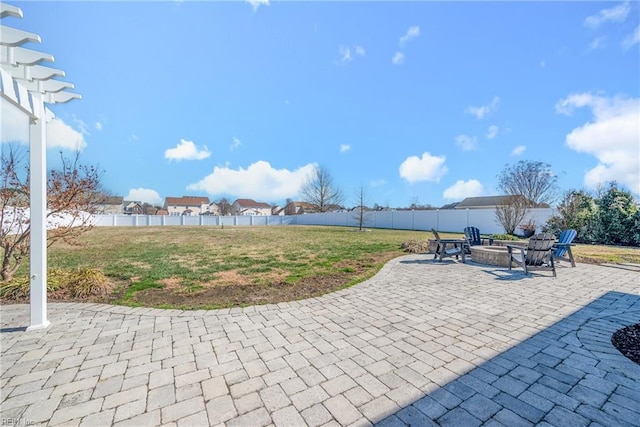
{"x":208,"y":267}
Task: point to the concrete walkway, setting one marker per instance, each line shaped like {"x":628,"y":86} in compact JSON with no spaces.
{"x":421,"y":343}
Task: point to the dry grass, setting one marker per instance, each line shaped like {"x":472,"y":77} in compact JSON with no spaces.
{"x":208,"y":267}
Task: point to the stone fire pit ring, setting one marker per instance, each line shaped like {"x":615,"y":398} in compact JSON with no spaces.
{"x":491,"y":255}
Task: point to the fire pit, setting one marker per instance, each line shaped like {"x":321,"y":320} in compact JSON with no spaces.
{"x":492,"y":255}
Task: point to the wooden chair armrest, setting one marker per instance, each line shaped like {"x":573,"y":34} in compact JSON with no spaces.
{"x":510,"y":248}
{"x":564,"y":245}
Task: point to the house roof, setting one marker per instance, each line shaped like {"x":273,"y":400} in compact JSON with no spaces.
{"x":484,"y":202}
{"x":112,"y":200}
{"x":304,"y":205}
{"x":187,"y":201}
{"x":250,"y":203}
{"x":450,"y":206}
{"x":131,"y":203}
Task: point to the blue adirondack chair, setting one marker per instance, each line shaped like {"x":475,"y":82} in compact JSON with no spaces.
{"x":562,"y":248}
{"x":472,"y":236}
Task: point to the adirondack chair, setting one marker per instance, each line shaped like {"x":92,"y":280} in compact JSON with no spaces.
{"x":538,"y":255}
{"x":562,"y":248}
{"x":472,"y":235}
{"x":441,"y":247}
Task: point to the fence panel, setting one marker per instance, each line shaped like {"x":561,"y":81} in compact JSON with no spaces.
{"x":452,"y":220}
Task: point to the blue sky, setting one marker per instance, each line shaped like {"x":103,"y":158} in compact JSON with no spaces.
{"x":412,"y":101}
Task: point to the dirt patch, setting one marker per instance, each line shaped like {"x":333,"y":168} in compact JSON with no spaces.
{"x":240,"y":295}
{"x":231,"y":289}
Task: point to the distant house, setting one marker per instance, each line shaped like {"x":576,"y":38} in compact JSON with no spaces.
{"x":299,"y":208}
{"x":450,"y":205}
{"x":186,"y":205}
{"x":133,"y":208}
{"x":250,"y":207}
{"x":214,"y":209}
{"x":489,"y":202}
{"x":111,"y":205}
{"x":277,"y":210}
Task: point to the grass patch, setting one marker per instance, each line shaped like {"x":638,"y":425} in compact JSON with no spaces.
{"x":208,"y":267}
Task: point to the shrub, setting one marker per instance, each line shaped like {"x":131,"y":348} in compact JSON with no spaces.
{"x":415,"y":246}
{"x":504,"y":237}
{"x":79,"y":283}
{"x":617,"y":217}
{"x":578,"y":211}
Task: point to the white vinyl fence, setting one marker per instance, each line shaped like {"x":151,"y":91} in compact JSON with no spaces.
{"x":453,"y":220}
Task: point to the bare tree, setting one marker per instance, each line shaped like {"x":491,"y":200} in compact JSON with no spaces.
{"x":533,"y":180}
{"x":289,"y":207}
{"x":73,"y":196}
{"x":511,"y":213}
{"x":320,"y":190}
{"x":361,"y":214}
{"x":224,"y":206}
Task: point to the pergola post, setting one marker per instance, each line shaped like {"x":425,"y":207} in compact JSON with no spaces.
{"x":38,"y":222}
{"x":27,"y":86}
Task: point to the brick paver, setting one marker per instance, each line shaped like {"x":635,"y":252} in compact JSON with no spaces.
{"x":420,"y":343}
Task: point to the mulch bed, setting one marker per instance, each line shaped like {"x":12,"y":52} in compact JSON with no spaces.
{"x":627,"y":341}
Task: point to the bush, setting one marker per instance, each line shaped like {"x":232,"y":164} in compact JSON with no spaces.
{"x":617,"y":217}
{"x":415,"y":246}
{"x":577,"y":211}
{"x":80,"y":283}
{"x":504,"y":237}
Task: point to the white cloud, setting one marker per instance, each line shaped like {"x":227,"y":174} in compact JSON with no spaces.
{"x":611,"y":137}
{"x":543,"y":63}
{"x":259,"y":181}
{"x":257,"y":3}
{"x":235,"y":144}
{"x":427,"y":168}
{"x":615,"y":14}
{"x":378,"y":183}
{"x":632,"y":39}
{"x":597,"y":43}
{"x":463,"y":189}
{"x":60,"y":134}
{"x":144,"y":195}
{"x":98,"y":126}
{"x":467,"y":143}
{"x":492,"y":132}
{"x":133,"y":137}
{"x":484,"y":110}
{"x":187,"y":150}
{"x":518,"y":150}
{"x":344,"y":148}
{"x":345,"y":55}
{"x":412,"y":33}
{"x":15,"y":128}
{"x":81,"y":125}
{"x":398,"y":58}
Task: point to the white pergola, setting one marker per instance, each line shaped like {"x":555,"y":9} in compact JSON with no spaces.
{"x":28,"y":86}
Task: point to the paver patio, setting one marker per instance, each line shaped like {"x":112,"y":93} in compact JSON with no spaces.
{"x":421,"y":343}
